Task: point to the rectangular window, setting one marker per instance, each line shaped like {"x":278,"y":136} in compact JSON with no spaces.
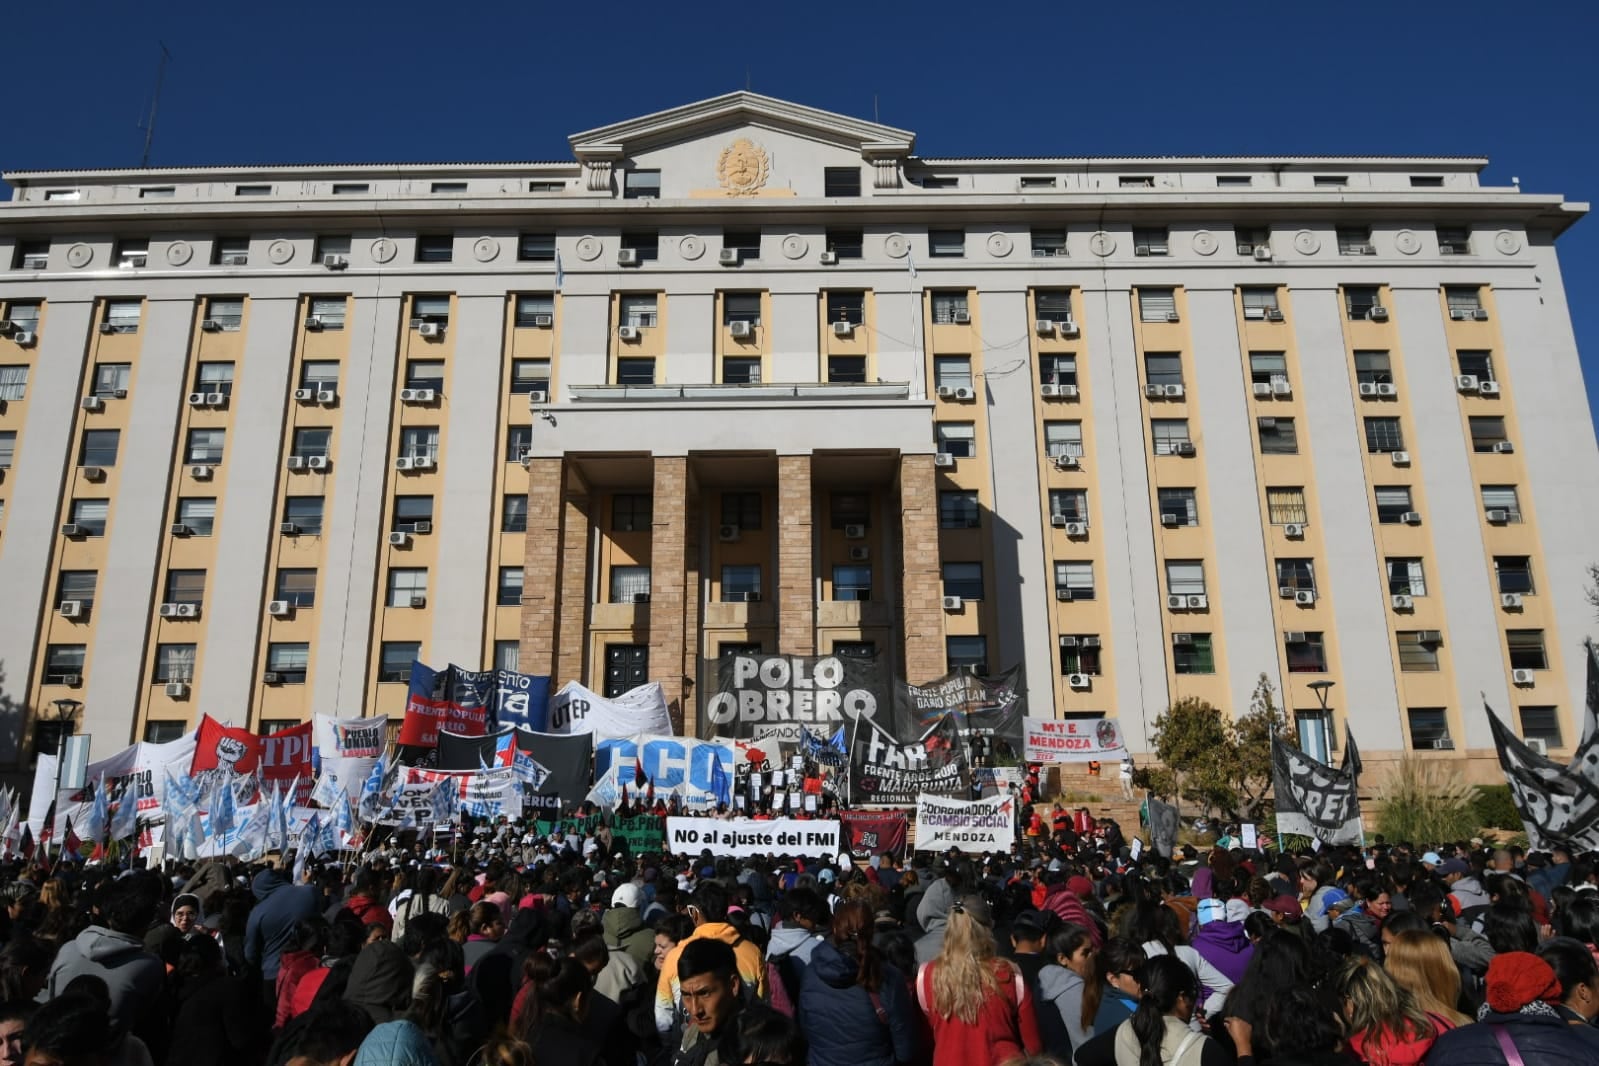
{"x":424,"y":374}
{"x":1169,"y":435}
{"x":63,"y":194}
{"x":746,"y":242}
{"x":641,"y":185}
{"x":1496,"y":498}
{"x":8,"y":448}
{"x":76,"y":585}
{"x":214,"y":377}
{"x":185,"y":586}
{"x":1053,"y":304}
{"x":1234,"y":181}
{"x":329,"y":312}
{"x":645,"y":244}
{"x":841,"y":181}
{"x":1185,"y":577}
{"x":1278,"y":436}
{"x":844,"y":649}
{"x":741,"y":509}
{"x":1075,"y":577}
{"x":1194,"y":655}
{"x":535,"y":310}
{"x":1070,"y":504}
{"x":741,"y":370}
{"x":1057,"y":369}
{"x":336,"y":244}
{"x":454,"y":188}
{"x":627,"y":666}
{"x":430,"y":307}
{"x":508,"y":592}
{"x":32,"y":255}
{"x":1296,"y":574}
{"x":305,"y":513}
{"x":419,"y":442}
{"x":950,"y":307}
{"x":1258,"y":302}
{"x":296,"y":587}
{"x":319,"y":373}
{"x":395,"y":658}
{"x":1487,"y":433}
{"x":1454,"y":240}
{"x":63,"y":664}
{"x":1526,"y":649}
{"x":312,"y":441}
{"x":132,"y":252}
{"x":163,"y":732}
{"x":173,"y":662}
{"x":409,"y":510}
{"x":1063,"y":439}
{"x":846,"y":243}
{"x":435,"y":247}
{"x":1330,"y":181}
{"x":1393,"y":503}
{"x":351,"y":188}
{"x":967,"y":653}
{"x":1163,"y":368}
{"x":852,"y":584}
{"x":252,"y":190}
{"x":1541,"y":723}
{"x":1478,"y":364}
{"x":629,"y":583}
{"x":1406,"y":576}
{"x":1355,"y":240}
{"x":1150,"y":240}
{"x":637,"y":309}
{"x":121,"y":315}
{"x":98,"y":448}
{"x":1384,"y":435}
{"x":932,"y":181}
{"x":740,"y":582}
{"x":231,"y":251}
{"x":518,"y":442}
{"x":289,"y":661}
{"x":1079,"y":654}
{"x":226,"y":312}
{"x":530,"y":375}
{"x":1249,"y":238}
{"x":1307,"y":654}
{"x":632,"y":512}
{"x":846,"y":369}
{"x":1359,"y":300}
{"x":952,"y":371}
{"x":741,"y":307}
{"x":1426,"y":181}
{"x":197,"y":514}
{"x":956,"y":438}
{"x":24,"y":315}
{"x":1417,"y":655}
{"x":849,"y":509}
{"x":111,"y":379}
{"x":1373,"y":368}
{"x":1513,"y":573}
{"x":1268,"y":368}
{"x":964,"y":580}
{"x":513,"y":514}
{"x":958,"y":509}
{"x":946,"y":243}
{"x":846,"y":305}
{"x":635,"y":371}
{"x":205,"y":446}
{"x":507,"y":655}
{"x":1178,"y":507}
{"x":406,"y":583}
{"x":1047,"y":243}
{"x":536,"y":247}
{"x":1286,"y":506}
{"x":1429,"y":728}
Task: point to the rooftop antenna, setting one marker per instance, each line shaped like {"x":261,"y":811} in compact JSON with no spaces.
{"x":149,"y":124}
{"x":874,"y":108}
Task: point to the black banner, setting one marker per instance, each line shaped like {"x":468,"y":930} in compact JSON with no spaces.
{"x":884,"y":770}
{"x":819,"y":692}
{"x":557,"y":775}
{"x":1313,"y":799}
{"x":985,"y":707}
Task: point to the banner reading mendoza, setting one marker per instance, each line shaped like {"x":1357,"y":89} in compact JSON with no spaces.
{"x":972,"y":826}
{"x":820,"y":692}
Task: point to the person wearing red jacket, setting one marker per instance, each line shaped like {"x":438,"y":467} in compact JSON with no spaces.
{"x":976,"y":1004}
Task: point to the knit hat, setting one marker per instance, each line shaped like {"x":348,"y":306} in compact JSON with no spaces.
{"x":1080,"y":886}
{"x":1517,"y":978}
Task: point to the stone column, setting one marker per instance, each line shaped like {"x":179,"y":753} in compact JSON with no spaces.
{"x":921,"y":581}
{"x":541,"y":566}
{"x":668,"y":563}
{"x":571,"y":639}
{"x":687,"y":720}
{"x":796,"y":584}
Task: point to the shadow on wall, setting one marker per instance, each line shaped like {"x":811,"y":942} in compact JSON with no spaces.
{"x":13,"y":714}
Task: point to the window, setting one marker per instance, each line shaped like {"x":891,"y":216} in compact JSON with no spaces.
{"x":846,"y":369}
{"x":1405,"y":576}
{"x":852,"y":584}
{"x":197,"y":514}
{"x":846,"y":243}
{"x":1393,"y":503}
{"x":305,"y":513}
{"x":632,"y":512}
{"x":513,"y":514}
{"x":952,"y":371}
{"x":351,"y":188}
{"x":111,"y":378}
{"x":958,"y":509}
{"x":395,"y":658}
{"x":536,"y":247}
{"x":132,"y":252}
{"x":214,"y":377}
{"x":1463,"y":301}
{"x":1136,"y":181}
{"x":252,"y":190}
{"x":338,"y":244}
{"x":518,"y":442}
{"x":121,"y":315}
{"x":231,"y":251}
{"x":1053,"y":304}
{"x":63,"y":664}
{"x":1268,"y":368}
{"x":1487,"y":433}
{"x":1278,"y":436}
{"x":530,"y":375}
{"x":849,"y":509}
{"x":1513,"y":573}
{"x":1180,"y":504}
{"x":1230,"y":181}
{"x":319,"y":373}
{"x":946,"y":243}
{"x":99,"y":448}
{"x":329,"y":312}
{"x":205,"y":446}
{"x":1185,"y":577}
{"x":163,"y":732}
{"x":846,"y":649}
{"x":1307,"y":654}
{"x":1057,"y":369}
{"x":419,"y":442}
{"x":641,"y":185}
{"x":76,"y":585}
{"x":1429,"y":727}
{"x":1355,"y":240}
{"x":846,"y":306}
{"x":32,"y":255}
{"x":536,"y":309}
{"x":1063,"y":439}
{"x":13,"y":382}
{"x":409,"y":510}
{"x":1501,"y":498}
{"x":741,"y":582}
{"x":296,"y":587}
{"x":450,"y":187}
{"x":635,"y":371}
{"x":63,"y":194}
{"x":967,"y":653}
{"x":627,"y":666}
{"x":1286,"y":506}
{"x":964,"y":580}
{"x":1071,"y":504}
{"x":507,"y":655}
{"x":173,"y":662}
{"x":1258,"y":302}
{"x":645,"y":244}
{"x":185,"y":586}
{"x":1359,"y":300}
{"x":1079,"y":654}
{"x":1149,"y":240}
{"x":746,"y":242}
{"x":312,"y":441}
{"x":1541,"y":723}
{"x":841,"y":181}
{"x":1163,"y":368}
{"x":1330,"y":181}
{"x":1479,"y":364}
{"x":24,"y":314}
{"x":1454,"y":240}
{"x":629,"y":583}
{"x":1194,"y":655}
{"x":1076,"y":577}
{"x":508,"y":592}
{"x":741,"y":307}
{"x":956,"y":438}
{"x":1417,"y":655}
{"x":290,"y":662}
{"x":435,"y":247}
{"x":1048,"y":243}
{"x":636,"y":309}
{"x":1426,"y":181}
{"x":1296,"y":574}
{"x":1373,"y":368}
{"x":430,"y":307}
{"x":950,"y":307}
{"x":1384,"y":435}
{"x":405,"y":583}
{"x":741,"y":370}
{"x":1168,"y":434}
{"x":424,"y":374}
{"x":1526,"y":649}
{"x":741,"y":509}
{"x":8,"y":448}
{"x":931,"y":181}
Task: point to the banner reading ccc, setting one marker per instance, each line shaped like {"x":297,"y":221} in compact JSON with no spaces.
{"x":820,"y":692}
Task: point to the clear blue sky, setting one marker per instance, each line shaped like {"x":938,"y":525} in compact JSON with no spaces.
{"x":407,"y":81}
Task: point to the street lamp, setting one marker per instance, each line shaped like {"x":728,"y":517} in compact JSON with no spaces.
{"x":66,"y":725}
{"x":1321,"y":688}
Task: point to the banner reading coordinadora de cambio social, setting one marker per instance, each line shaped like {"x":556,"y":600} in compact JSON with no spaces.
{"x":972,"y":826}
{"x":743,"y":837}
{"x":821,"y":693}
{"x":1073,"y":740}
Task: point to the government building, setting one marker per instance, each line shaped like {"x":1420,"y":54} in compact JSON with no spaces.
{"x":748,"y":375}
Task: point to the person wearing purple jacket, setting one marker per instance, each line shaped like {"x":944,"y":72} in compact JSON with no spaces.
{"x":1221,"y":940}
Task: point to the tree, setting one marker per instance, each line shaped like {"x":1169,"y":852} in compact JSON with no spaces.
{"x":1215,"y":762}
{"x":1251,"y":757}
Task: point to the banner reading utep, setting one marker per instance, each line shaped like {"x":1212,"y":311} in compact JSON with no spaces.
{"x":351,"y":738}
{"x":452,"y":698}
{"x":868,"y":833}
{"x":743,"y":837}
{"x":576,"y":709}
{"x":883,"y":770}
{"x":1072,"y":740}
{"x":819,"y":692}
{"x":970,"y":826}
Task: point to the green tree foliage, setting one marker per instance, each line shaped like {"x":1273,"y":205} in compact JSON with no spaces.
{"x":1214,"y":762}
{"x":1495,"y":809}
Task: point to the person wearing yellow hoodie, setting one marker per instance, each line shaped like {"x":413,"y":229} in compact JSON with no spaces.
{"x":709,"y":911}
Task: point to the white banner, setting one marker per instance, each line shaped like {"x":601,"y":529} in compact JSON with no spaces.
{"x":743,"y":837}
{"x":351,"y":738}
{"x":699,"y":773}
{"x":972,"y":826}
{"x":482,"y":795}
{"x":141,"y":768}
{"x":576,"y":709}
{"x":344,"y":775}
{"x":1071,"y":740}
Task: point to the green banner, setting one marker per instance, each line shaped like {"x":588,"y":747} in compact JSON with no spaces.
{"x":643,"y":832}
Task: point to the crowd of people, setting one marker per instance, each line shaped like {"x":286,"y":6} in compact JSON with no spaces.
{"x":563,"y":948}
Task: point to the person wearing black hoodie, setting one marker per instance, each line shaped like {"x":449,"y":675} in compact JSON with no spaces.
{"x":215,"y":1023}
{"x":113,"y":950}
{"x":271,"y":929}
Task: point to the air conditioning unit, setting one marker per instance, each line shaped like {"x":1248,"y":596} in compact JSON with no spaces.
{"x":855,"y":532}
{"x":543,"y":321}
{"x":727,"y":534}
{"x":1537,"y":744}
{"x":179,"y":529}
{"x":1294,"y":530}
{"x":271,"y":677}
{"x":288,"y":529}
{"x":316,"y":462}
{"x":71,"y":680}
{"x":627,"y":333}
{"x":1466,"y":383}
{"x":1387,"y":389}
{"x":1077,"y":529}
{"x":1198,"y":603}
{"x":740,"y":328}
{"x":93,"y":473}
{"x":828,"y":258}
{"x":109,"y":327}
{"x":1459,"y":314}
{"x":964,"y":395}
{"x":1521,"y":677}
{"x":335,"y":262}
{"x":1400,"y":458}
{"x":178,"y":689}
{"x":1078,"y":681}
{"x":1066,"y":392}
{"x":216,"y":399}
{"x":279,"y":609}
{"x":946,"y":392}
{"x":1304,"y":598}
{"x":1058,"y":521}
{"x":211,"y":325}
{"x":1503,"y":447}
{"x":430,"y":329}
{"x":1064,"y":595}
{"x":200,"y":472}
{"x":1286,"y":592}
{"x":1378,"y":313}
{"x":1273,"y":315}
{"x":641,"y":597}
{"x":1154,"y":392}
{"x":1401,"y":602}
{"x":92,"y":403}
{"x":1510,"y":601}
{"x":1294,"y":636}
{"x":1044,"y":327}
{"x":418,"y":395}
{"x":419,"y":601}
{"x":859,"y":555}
{"x":1499,"y":516}
{"x":952,"y":603}
{"x":1172,"y":316}
{"x":304,"y":395}
{"x":1168,"y":519}
{"x":169,"y":610}
{"x":943,"y":459}
{"x":1184,"y":448}
{"x":627,"y":257}
{"x":1411,"y":518}
{"x":327,"y":395}
{"x":1068,"y":642}
{"x":196,"y":399}
{"x":1488,"y":388}
{"x":70,"y":609}
{"x":7,"y":327}
{"x":1176,"y":603}
{"x":961,"y":318}
{"x":1067,"y":327}
{"x":313,"y":324}
{"x":399,"y":540}
{"x":1281,"y":388}
{"x":1368,"y":388}
{"x":1174,"y":392}
{"x":1182,"y":638}
{"x":1067,"y":462}
{"x":24,"y":338}
{"x":235,"y":259}
{"x":187,"y":610}
{"x":1429,"y":636}
{"x":295,"y":462}
{"x":1266,"y":423}
{"x":1442,"y":743}
{"x":402,"y":463}
{"x":1140,"y":249}
{"x":421,"y":528}
{"x":728,"y":257}
{"x":843,"y":329}
{"x":1479,"y":315}
{"x":538,"y":396}
{"x":1262,"y":389}
{"x":423,"y":462}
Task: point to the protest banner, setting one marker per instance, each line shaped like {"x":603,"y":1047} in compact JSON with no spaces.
{"x":745,"y":693}
{"x":868,"y":833}
{"x":743,"y":837}
{"x":350,"y":738}
{"x":698,"y":772}
{"x":970,"y":826}
{"x":576,"y":709}
{"x":883,"y":770}
{"x":1071,"y":740}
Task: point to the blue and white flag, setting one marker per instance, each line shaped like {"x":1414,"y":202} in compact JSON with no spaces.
{"x":342,"y":820}
{"x":529,"y":770}
{"x":92,"y":823}
{"x":721,"y":785}
{"x":308,"y":841}
{"x":125,"y":819}
{"x":223,"y":811}
{"x":443,"y":801}
{"x":328,"y":791}
{"x":372,"y":804}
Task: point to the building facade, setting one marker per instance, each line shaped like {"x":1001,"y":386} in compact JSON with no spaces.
{"x":745,"y":374}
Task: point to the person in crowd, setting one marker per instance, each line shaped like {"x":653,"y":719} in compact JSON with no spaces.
{"x":1385,"y":1025}
{"x":853,"y":1007}
{"x":273,"y":924}
{"x":709,"y":912}
{"x":115,"y":953}
{"x":215,"y":1022}
{"x":1419,"y":962}
{"x":486,"y":924}
{"x":624,"y":924}
{"x":424,"y":894}
{"x":1364,"y":918}
{"x":709,"y":979}
{"x":976,"y":1004}
{"x":1159,"y":1033}
{"x":1519,"y":1022}
{"x":1073,"y":986}
{"x":1318,"y":892}
{"x":162,"y":940}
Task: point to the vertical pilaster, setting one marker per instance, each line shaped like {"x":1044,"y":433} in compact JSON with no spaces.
{"x":796,"y":592}
{"x":571,"y":642}
{"x":667,"y":575}
{"x":920,"y":580}
{"x":540,"y":566}
{"x":687,"y":720}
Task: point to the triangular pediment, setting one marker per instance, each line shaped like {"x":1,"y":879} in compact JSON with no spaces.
{"x":721,"y":113}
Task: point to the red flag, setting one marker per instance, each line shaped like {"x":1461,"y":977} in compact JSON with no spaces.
{"x":25,"y":843}
{"x":639,"y":779}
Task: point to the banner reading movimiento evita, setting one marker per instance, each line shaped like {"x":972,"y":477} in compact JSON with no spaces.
{"x":819,"y":692}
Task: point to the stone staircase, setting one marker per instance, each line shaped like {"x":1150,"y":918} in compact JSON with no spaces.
{"x":1072,"y":786}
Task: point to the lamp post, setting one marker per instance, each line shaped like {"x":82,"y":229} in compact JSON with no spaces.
{"x":1321,"y":688}
{"x":66,"y":725}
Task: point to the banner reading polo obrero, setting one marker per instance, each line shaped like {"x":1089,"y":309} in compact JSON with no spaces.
{"x":882,"y":770}
{"x":698,"y":772}
{"x":741,"y":838}
{"x":1072,"y":740}
{"x":576,"y":709}
{"x":971,"y":826}
{"x":748,"y":692}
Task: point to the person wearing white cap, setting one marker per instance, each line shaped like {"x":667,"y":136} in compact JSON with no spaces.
{"x":624,"y":924}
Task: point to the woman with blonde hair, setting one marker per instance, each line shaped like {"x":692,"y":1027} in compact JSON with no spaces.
{"x":977,"y":1004}
{"x":1420,"y":962}
{"x":1384,"y":1024}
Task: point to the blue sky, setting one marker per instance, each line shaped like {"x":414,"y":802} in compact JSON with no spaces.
{"x":407,"y":81}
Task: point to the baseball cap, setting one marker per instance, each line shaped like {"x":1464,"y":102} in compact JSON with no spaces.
{"x":1432,"y":858}
{"x":628,"y":895}
{"x":1284,"y":904}
{"x":1454,"y":866}
{"x":1080,"y":886}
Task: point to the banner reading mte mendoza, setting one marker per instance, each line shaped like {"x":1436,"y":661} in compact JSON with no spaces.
{"x":1072,"y":740}
{"x":972,"y":826}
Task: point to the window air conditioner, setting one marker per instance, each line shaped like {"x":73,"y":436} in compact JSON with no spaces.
{"x":421,"y":528}
{"x":109,"y":327}
{"x":399,"y":540}
{"x":279,"y":609}
{"x":1173,"y":316}
{"x":1286,"y":591}
{"x":1077,"y":529}
{"x":1078,"y":681}
{"x":1067,"y":327}
{"x":316,"y":462}
{"x":1064,"y":595}
{"x":179,"y":529}
{"x":843,"y":329}
{"x":740,"y":328}
{"x":543,"y":321}
{"x":200,"y":472}
{"x":1479,"y":315}
{"x":419,"y":601}
{"x":1274,"y":314}
{"x":288,"y":529}
{"x":1184,"y":448}
{"x":1368,"y":388}
{"x":946,"y":392}
{"x":1400,"y":458}
{"x":327,"y":395}
{"x":1378,"y":313}
{"x":186,"y":610}
{"x":314,"y":324}
{"x":1262,"y":388}
{"x":1263,"y":252}
{"x":828,"y":258}
{"x":335,"y":262}
{"x":537,"y":396}
{"x":1402,"y":602}
{"x":1294,"y":636}
{"x":728,"y":257}
{"x":1058,"y":521}
{"x":402,"y":463}
{"x":943,"y":459}
{"x":859,"y":555}
{"x":1488,"y":388}
{"x":178,"y":689}
{"x":1281,"y":388}
{"x":1068,"y":642}
{"x":418,"y":395}
{"x":1198,"y":603}
{"x":627,"y":257}
{"x":1067,"y":462}
{"x":295,"y":462}
{"x":1411,"y":518}
{"x":1044,"y":327}
{"x":961,"y":318}
{"x":70,"y":608}
{"x":1503,"y":447}
{"x":1294,"y":530}
{"x":952,"y":603}
{"x":1466,"y":383}
{"x":1387,"y":389}
{"x":1521,"y":677}
{"x":304,"y":395}
{"x":423,"y":462}
{"x":211,"y":325}
{"x":1182,"y":638}
{"x":1459,"y":314}
{"x":1537,"y":744}
{"x":627,"y":333}
{"x":1510,"y":601}
{"x":1176,"y":603}
{"x":727,"y":534}
{"x":430,"y":330}
{"x":24,"y":338}
{"x":93,"y":473}
{"x":1154,"y":392}
{"x":1442,"y":743}
{"x":855,"y":532}
{"x":271,"y":677}
{"x":1168,"y":519}
{"x":1304,"y":598}
{"x":1499,"y":516}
